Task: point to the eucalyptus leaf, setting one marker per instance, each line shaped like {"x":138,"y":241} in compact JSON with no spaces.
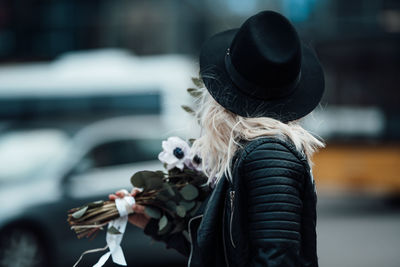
{"x":96,"y":204}
{"x":80,"y":213}
{"x":181,"y":211}
{"x":179,"y":226}
{"x":166,"y":229}
{"x":169,"y":189}
{"x":114,"y":231}
{"x":191,"y":141}
{"x":148,"y":179}
{"x":160,"y":174}
{"x":178,"y":197}
{"x":162,"y":223}
{"x":174,"y":171}
{"x":189,"y":172}
{"x":198,"y":82}
{"x":137,"y":179}
{"x":163,"y":196}
{"x":153,"y":183}
{"x":171,"y":205}
{"x":194,"y":210}
{"x":186,"y":235}
{"x":187,"y":204}
{"x":188,"y":109}
{"x":194,"y":92}
{"x":152,"y":212}
{"x":189,"y":192}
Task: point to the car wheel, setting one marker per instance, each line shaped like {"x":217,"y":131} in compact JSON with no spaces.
{"x":21,"y":248}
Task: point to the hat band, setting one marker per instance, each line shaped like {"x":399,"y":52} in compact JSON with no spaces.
{"x":260,"y":92}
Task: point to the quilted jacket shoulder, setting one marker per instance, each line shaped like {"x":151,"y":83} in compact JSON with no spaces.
{"x":281,"y":146}
{"x":271,"y":180}
{"x":273,"y":177}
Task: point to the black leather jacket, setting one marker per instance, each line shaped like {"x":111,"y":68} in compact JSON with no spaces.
{"x":265,"y":217}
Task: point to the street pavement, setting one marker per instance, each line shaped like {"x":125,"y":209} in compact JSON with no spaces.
{"x":358,"y":231}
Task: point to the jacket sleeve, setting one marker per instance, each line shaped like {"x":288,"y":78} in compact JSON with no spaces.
{"x":274,"y":180}
{"x":176,"y":241}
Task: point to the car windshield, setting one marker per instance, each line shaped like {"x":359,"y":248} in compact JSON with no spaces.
{"x":119,"y":152}
{"x":23,"y":153}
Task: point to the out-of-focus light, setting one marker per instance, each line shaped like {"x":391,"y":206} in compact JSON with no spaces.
{"x":390,"y":20}
{"x":241,"y":7}
{"x":298,"y":10}
{"x":348,"y":121}
{"x":21,"y":153}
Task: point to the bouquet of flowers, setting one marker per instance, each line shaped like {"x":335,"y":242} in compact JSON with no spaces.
{"x":172,"y":197}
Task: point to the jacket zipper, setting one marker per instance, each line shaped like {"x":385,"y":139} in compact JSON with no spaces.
{"x":191,"y":240}
{"x":232,"y":198}
{"x":223,"y":236}
{"x":232,"y":195}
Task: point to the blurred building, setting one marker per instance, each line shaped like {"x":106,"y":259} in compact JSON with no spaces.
{"x":42,"y":29}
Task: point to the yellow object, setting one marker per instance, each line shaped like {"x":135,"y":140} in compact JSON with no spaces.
{"x":361,"y":167}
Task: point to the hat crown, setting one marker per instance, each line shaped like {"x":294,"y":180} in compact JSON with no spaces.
{"x":266,"y":52}
{"x":262,"y":69}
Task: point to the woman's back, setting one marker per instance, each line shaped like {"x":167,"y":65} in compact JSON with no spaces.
{"x":265,"y":216}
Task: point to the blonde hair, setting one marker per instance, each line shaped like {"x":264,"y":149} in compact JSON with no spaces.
{"x":222,"y":130}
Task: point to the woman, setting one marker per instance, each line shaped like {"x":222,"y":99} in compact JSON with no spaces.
{"x":259,"y":81}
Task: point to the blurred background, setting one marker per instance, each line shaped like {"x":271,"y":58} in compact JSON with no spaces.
{"x":88,"y":89}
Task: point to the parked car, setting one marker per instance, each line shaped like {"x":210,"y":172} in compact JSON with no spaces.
{"x":97,"y":161}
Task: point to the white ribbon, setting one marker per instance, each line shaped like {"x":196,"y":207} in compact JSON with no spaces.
{"x":124,"y":207}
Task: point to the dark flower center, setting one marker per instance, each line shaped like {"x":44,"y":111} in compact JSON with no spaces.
{"x":178,"y":153}
{"x":196,"y":159}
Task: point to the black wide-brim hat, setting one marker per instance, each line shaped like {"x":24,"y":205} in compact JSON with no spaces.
{"x":262,"y":69}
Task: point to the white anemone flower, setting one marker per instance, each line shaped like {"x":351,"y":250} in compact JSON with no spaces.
{"x":194,"y":162}
{"x":175,"y":153}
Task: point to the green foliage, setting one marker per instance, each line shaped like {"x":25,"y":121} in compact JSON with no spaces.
{"x":186,"y":235}
{"x":172,"y":198}
{"x":171,"y":205}
{"x":168,"y":188}
{"x":152,"y":212}
{"x":148,"y":180}
{"x":194,"y":210}
{"x":114,"y":231}
{"x":188,"y":205}
{"x":175,"y":197}
{"x":189,"y":192}
{"x":162,"y":223}
{"x":196,"y":93}
{"x":197,"y":82}
{"x":188,"y":109}
{"x":96,"y":204}
{"x":191,"y":141}
{"x":181,"y":211}
{"x":80,"y":212}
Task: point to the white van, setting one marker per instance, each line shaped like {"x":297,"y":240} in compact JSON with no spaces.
{"x":99,"y":83}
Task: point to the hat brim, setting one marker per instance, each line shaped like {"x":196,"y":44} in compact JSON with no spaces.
{"x":299,"y":103}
